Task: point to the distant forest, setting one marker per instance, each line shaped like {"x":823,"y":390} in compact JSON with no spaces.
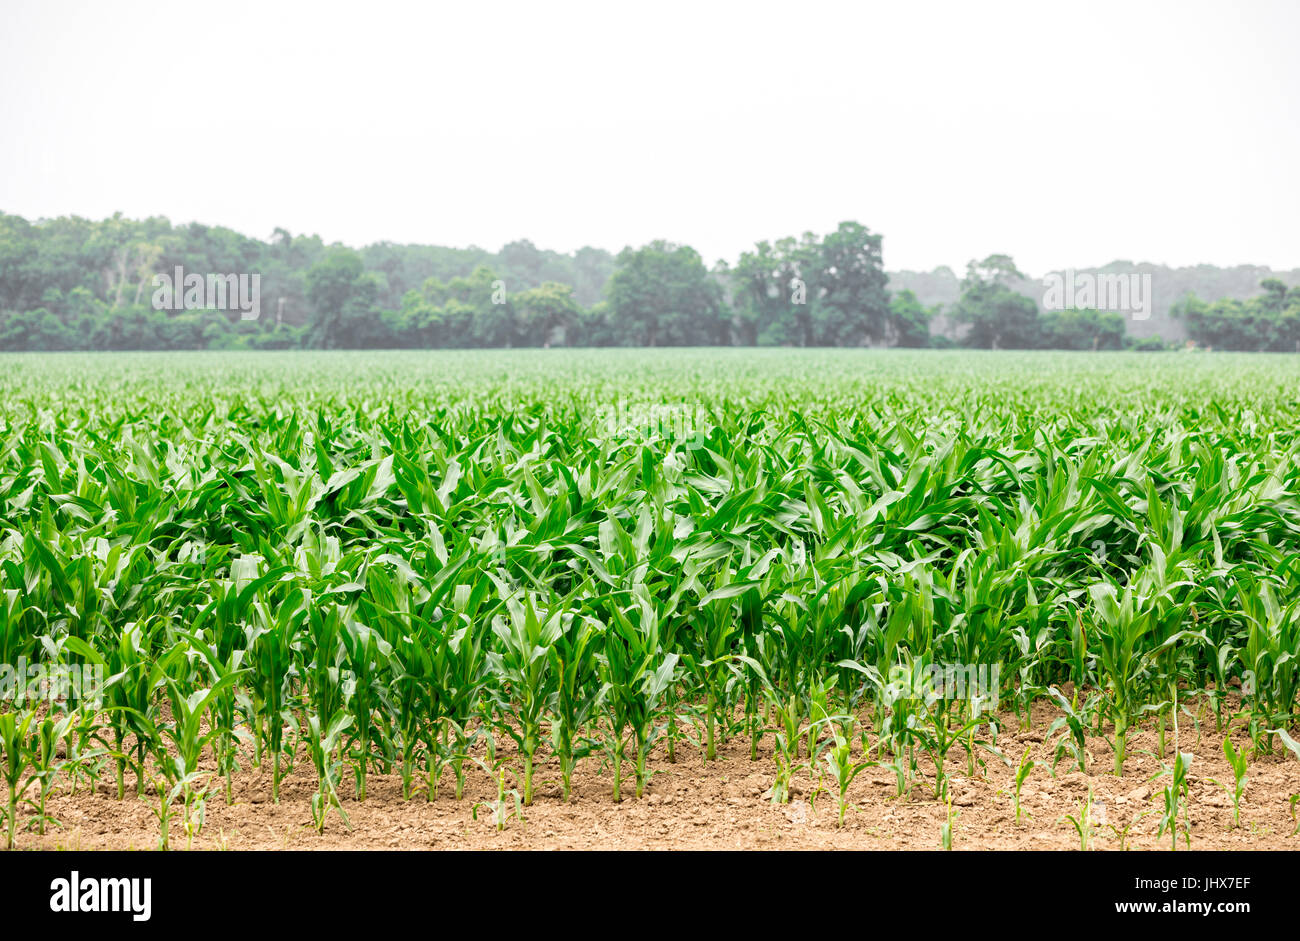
{"x":76,"y":284}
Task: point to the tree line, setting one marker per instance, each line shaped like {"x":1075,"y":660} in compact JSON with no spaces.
{"x":71,"y":283}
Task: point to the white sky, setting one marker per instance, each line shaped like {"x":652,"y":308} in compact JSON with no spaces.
{"x":1060,"y":134}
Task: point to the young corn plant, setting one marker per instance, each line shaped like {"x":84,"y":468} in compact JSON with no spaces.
{"x":786,"y":711}
{"x":180,"y":768}
{"x":168,"y":784}
{"x":787,"y":734}
{"x":938,"y":739}
{"x":1122,"y":833}
{"x":138,"y":661}
{"x":839,"y":760}
{"x":52,"y":737}
{"x":501,"y":808}
{"x":86,"y":750}
{"x":946,"y":829}
{"x":578,"y":691}
{"x":1074,"y":737}
{"x":523,"y":664}
{"x":412,"y":622}
{"x":460,"y":665}
{"x":715,"y":631}
{"x":1237,"y":762}
{"x":1176,"y":796}
{"x":1082,"y":822}
{"x":219,"y":637}
{"x":365,"y":652}
{"x":272,"y":638}
{"x":637,"y":676}
{"x":1121,"y":627}
{"x":1271,"y":655}
{"x":16,"y":759}
{"x":1022,"y":774}
{"x":324,"y":746}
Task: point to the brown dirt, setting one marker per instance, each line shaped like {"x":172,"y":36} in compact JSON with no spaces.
{"x":724,"y":805}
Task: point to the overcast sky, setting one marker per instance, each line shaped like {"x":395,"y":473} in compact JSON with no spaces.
{"x":1062,"y":134}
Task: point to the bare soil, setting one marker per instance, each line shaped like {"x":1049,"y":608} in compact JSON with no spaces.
{"x":726,"y":804}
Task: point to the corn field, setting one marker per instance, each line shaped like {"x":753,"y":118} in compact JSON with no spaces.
{"x":445,"y":565}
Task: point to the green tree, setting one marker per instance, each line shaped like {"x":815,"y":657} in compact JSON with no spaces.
{"x":999,"y":318}
{"x":490,"y":321}
{"x":33,"y":330}
{"x":1268,"y":321}
{"x":591,"y":270}
{"x":1082,"y":330}
{"x":342,"y":295}
{"x":774,"y":287}
{"x":851,"y":307}
{"x":547,"y":314}
{"x":909,"y":320}
{"x":663,"y":295}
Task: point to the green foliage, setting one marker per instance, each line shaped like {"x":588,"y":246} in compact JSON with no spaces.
{"x":1082,"y":822}
{"x":1176,"y":796}
{"x":1268,"y":321}
{"x":828,"y":291}
{"x":1081,"y":330}
{"x":75,"y":284}
{"x":383,"y":563}
{"x":662,"y":295}
{"x":997,"y":316}
{"x":1022,"y":774}
{"x":16,"y":758}
{"x":343,"y":297}
{"x":1237,"y":762}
